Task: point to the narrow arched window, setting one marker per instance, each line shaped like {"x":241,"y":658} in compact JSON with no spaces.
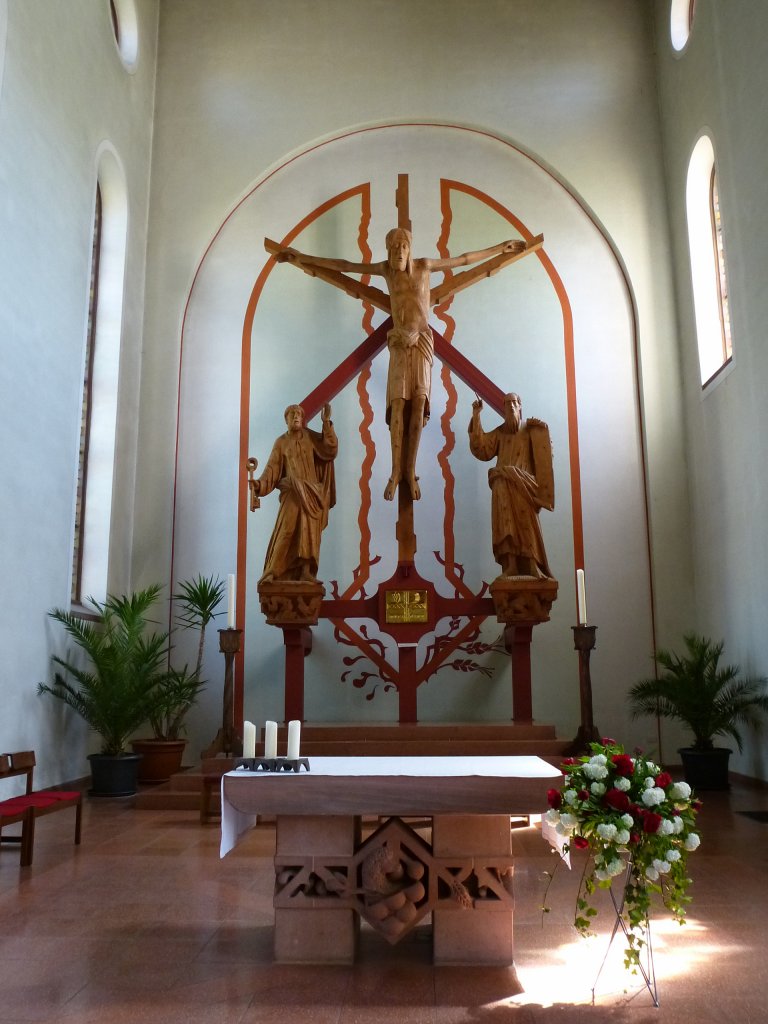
{"x":85,"y":412}
{"x":98,"y":431}
{"x":722,"y":279}
{"x":681,"y":14}
{"x":708,"y":263}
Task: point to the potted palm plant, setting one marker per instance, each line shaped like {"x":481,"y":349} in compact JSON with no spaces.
{"x":709,"y":699}
{"x":114,"y":691}
{"x":178,"y":689}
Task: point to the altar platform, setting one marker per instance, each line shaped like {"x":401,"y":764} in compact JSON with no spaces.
{"x":328,"y":876}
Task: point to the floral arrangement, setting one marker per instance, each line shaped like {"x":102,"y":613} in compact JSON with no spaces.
{"x":633,"y":818}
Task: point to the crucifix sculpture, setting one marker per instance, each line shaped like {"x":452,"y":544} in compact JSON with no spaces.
{"x":411,"y":342}
{"x":409,"y":338}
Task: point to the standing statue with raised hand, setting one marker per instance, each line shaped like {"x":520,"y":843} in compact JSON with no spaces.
{"x":521,"y":482}
{"x":410,"y":341}
{"x":301,"y":468}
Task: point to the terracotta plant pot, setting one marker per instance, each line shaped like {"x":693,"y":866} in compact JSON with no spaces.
{"x":160,"y":758}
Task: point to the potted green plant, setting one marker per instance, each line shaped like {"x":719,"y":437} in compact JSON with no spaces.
{"x":709,"y":699}
{"x":114,"y":691}
{"x":178,"y":689}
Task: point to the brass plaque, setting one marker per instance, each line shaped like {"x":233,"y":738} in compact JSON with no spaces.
{"x":406,"y":606}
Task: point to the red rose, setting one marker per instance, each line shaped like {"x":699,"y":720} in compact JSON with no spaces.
{"x":663,"y":779}
{"x":583,"y":794}
{"x":651,"y":822}
{"x":569,"y":761}
{"x":554,"y":798}
{"x":616,"y":799}
{"x":623,"y":764}
{"x":608,"y":742}
{"x":634,"y":838}
{"x":580,"y":842}
{"x":696,"y":805}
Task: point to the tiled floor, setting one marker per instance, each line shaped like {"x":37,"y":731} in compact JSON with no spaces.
{"x":143,"y":924}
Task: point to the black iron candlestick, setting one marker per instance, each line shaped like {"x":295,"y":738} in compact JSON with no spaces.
{"x":584,"y":643}
{"x":228,"y":741}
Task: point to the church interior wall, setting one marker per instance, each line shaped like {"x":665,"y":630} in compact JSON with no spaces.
{"x":65,"y":94}
{"x":244,"y":88}
{"x":267,"y":86}
{"x":713,"y":86}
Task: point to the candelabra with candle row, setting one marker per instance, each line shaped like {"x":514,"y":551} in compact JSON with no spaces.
{"x":270,"y":761}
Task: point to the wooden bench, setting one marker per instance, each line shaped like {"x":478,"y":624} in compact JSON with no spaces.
{"x":29,"y":806}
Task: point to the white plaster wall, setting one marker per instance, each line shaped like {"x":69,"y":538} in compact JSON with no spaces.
{"x":64,"y":92}
{"x":717,"y":85}
{"x":571,"y":82}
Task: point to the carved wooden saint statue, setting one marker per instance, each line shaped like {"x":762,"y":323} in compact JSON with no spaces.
{"x":521,"y":482}
{"x":410,"y":342}
{"x":301,"y":468}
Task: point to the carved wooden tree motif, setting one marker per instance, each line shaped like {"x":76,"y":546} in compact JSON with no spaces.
{"x":407,"y":606}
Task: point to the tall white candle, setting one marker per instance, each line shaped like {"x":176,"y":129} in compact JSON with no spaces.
{"x":231,"y":601}
{"x":270,"y":739}
{"x":581,"y":592}
{"x":249,"y":739}
{"x":294,"y":734}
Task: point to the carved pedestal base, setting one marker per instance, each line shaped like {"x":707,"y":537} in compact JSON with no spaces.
{"x":291,"y":602}
{"x":326,"y":880}
{"x":522,"y":599}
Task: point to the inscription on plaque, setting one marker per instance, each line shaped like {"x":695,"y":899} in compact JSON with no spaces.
{"x":406,"y":606}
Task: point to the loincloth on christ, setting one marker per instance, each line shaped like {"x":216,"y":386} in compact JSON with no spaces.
{"x":410,"y":366}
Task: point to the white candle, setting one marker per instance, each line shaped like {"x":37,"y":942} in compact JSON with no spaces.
{"x":294,"y":733}
{"x":231,"y":601}
{"x":270,"y":739}
{"x":249,"y":739}
{"x":581,"y":590}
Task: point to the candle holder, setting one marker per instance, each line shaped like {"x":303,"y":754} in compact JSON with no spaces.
{"x":584,"y":643}
{"x":227,"y":740}
{"x":272,"y":764}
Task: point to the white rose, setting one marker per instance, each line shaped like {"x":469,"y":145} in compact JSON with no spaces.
{"x":598,"y":759}
{"x":653,"y":797}
{"x":570,"y":796}
{"x":692,"y":841}
{"x":662,"y":866}
{"x":568,"y":820}
{"x":552,"y":816}
{"x":615,"y":867}
{"x":672,"y":855}
{"x":649,"y":783}
{"x":622,"y":783}
{"x":651,"y":873}
{"x":595,"y":771}
{"x":597,"y":788}
{"x":607,"y":832}
{"x":601,"y":875}
{"x":628,"y":820}
{"x":622,"y":837}
{"x":666,"y":828}
{"x":680,"y":791}
{"x":679,"y":825}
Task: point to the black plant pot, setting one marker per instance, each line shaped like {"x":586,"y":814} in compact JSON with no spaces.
{"x":706,"y":769}
{"x":114,"y":775}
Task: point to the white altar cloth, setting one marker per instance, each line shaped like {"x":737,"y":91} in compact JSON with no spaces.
{"x":234,"y":823}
